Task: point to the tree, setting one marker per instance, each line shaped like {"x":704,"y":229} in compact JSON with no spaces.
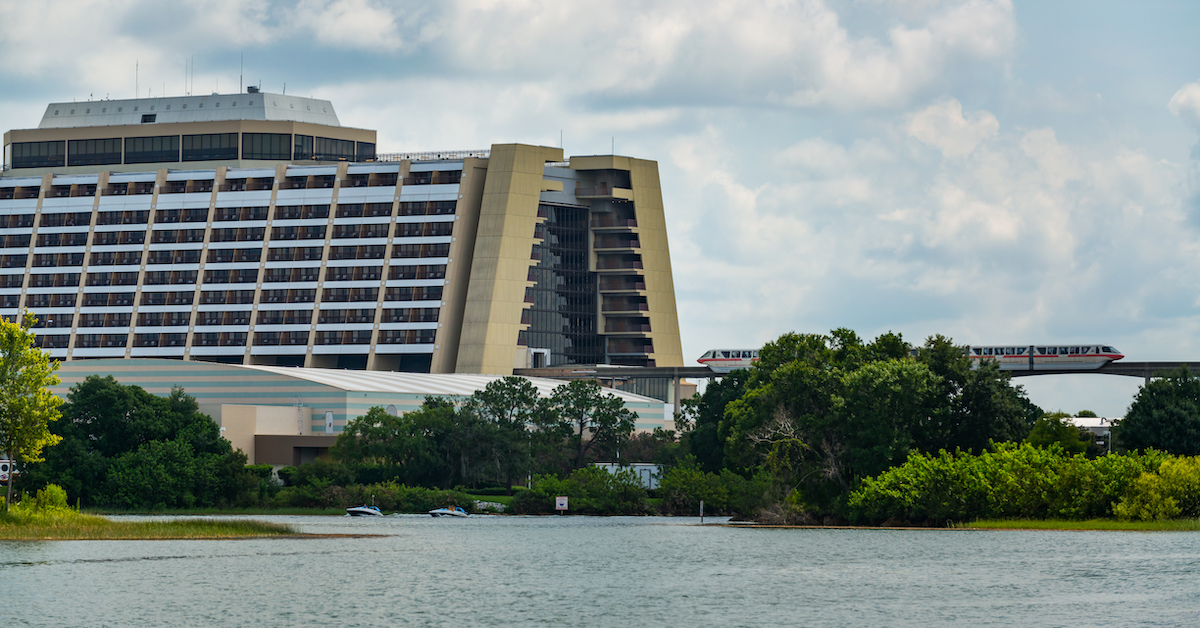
{"x":699,"y":419}
{"x":509,"y":406}
{"x":26,"y":404}
{"x":595,"y":417}
{"x":978,"y":404}
{"x":413,"y":444}
{"x":1164,"y":415}
{"x":111,"y":428}
{"x":1056,"y":427}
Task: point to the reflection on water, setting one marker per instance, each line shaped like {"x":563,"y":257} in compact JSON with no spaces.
{"x":619,"y":571}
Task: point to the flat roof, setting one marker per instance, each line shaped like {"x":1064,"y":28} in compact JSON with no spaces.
{"x":209,"y":108}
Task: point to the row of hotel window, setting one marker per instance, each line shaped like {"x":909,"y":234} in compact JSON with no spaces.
{"x":241,"y":317}
{"x":210,"y":297}
{"x":229,"y":214}
{"x":238,"y":339}
{"x":174,"y":148}
{"x":193,"y":256}
{"x":270,"y":275}
{"x":136,"y":188}
{"x":245,"y":234}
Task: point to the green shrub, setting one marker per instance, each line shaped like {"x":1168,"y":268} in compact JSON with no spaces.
{"x":50,"y":501}
{"x":1010,"y":482}
{"x":1173,"y":491}
{"x":389,"y":496}
{"x":684,"y":485}
{"x":591,"y":491}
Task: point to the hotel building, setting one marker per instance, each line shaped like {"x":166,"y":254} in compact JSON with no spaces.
{"x":254,"y":229}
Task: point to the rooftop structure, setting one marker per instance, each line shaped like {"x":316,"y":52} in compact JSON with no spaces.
{"x":210,"y":108}
{"x":231,"y":130}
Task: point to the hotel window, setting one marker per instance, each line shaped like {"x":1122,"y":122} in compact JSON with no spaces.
{"x":39,"y":154}
{"x":328,"y":149}
{"x":266,"y":146}
{"x":94,"y":152}
{"x":366,"y":152}
{"x":148,"y":150}
{"x":303,"y":147}
{"x":210,"y":147}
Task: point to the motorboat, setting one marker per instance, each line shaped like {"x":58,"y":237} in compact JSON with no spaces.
{"x":447,"y":512}
{"x":364,"y":511}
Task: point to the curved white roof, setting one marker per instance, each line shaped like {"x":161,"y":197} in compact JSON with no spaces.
{"x":418,"y":383}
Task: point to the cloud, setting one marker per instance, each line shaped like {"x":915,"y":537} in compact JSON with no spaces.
{"x":795,"y":54}
{"x":943,"y":126}
{"x":1186,"y":103}
{"x":360,"y":24}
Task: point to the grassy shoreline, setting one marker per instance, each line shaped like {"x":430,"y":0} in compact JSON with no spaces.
{"x":80,"y":527}
{"x":1168,"y":525}
{"x":1116,"y":525}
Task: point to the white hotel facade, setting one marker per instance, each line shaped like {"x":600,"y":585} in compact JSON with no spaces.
{"x":254,"y":229}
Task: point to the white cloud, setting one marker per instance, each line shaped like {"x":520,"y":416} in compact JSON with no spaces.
{"x":360,"y":24}
{"x":793,"y":53}
{"x":944,"y":127}
{"x":1186,"y":103}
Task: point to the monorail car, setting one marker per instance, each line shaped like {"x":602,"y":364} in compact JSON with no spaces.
{"x":1046,"y":357}
{"x":726,"y":360}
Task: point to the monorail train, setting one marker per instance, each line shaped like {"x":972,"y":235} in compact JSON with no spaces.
{"x":1047,"y":357}
{"x":1011,"y":358}
{"x":726,"y":360}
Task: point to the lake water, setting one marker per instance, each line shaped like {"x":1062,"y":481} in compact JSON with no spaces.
{"x":618,"y":571}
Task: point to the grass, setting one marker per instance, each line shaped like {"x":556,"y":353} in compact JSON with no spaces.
{"x":1169,"y":525}
{"x":221,"y":511}
{"x":70,"y":526}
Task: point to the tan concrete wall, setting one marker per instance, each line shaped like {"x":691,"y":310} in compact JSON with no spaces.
{"x":458,"y":271}
{"x":656,"y":262}
{"x":499,"y":270}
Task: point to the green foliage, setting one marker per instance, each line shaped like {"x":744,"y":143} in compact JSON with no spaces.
{"x":499,"y":435}
{"x":598,"y":420}
{"x":591,"y":490}
{"x":27,"y":407}
{"x":684,"y":485}
{"x":1056,"y":429}
{"x":122,"y":446}
{"x":820,"y":413}
{"x":1164,"y":415}
{"x":1173,"y":491}
{"x":699,"y":419}
{"x":1011,"y":481}
{"x":50,"y":500}
{"x":389,"y":496}
{"x":660,"y":447}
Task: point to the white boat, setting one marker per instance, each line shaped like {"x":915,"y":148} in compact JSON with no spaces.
{"x":364,"y":511}
{"x":446,"y":512}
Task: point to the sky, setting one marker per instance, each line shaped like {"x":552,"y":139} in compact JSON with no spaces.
{"x":996,"y":171}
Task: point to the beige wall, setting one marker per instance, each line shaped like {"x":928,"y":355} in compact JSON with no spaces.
{"x":458,"y":271}
{"x":243,"y":423}
{"x":500,"y":268}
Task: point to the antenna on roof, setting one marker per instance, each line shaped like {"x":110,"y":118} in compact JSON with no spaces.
{"x":136,"y":88}
{"x":241,"y":70}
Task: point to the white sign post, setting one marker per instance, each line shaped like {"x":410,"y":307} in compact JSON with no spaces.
{"x":6,"y":467}
{"x":560,"y":504}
